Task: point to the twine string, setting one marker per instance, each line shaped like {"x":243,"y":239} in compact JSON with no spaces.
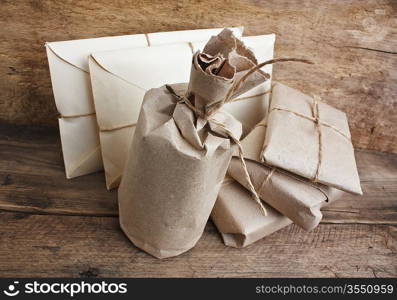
{"x":315,"y":118}
{"x":104,"y":129}
{"x":244,"y":165}
{"x":76,"y":116}
{"x":213,"y":107}
{"x":147,"y":40}
{"x":317,"y":125}
{"x":267,"y":179}
{"x":275,"y":170}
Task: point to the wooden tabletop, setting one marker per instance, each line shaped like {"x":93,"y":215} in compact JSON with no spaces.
{"x":51,"y":226}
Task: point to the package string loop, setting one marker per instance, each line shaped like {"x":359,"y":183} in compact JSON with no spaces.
{"x":315,"y":118}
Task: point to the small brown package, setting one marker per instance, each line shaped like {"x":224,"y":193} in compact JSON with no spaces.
{"x":238,"y":218}
{"x":311,"y":139}
{"x":295,"y":197}
{"x":180,"y":152}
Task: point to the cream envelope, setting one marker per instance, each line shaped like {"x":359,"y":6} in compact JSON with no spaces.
{"x":68,"y":63}
{"x":121,"y":78}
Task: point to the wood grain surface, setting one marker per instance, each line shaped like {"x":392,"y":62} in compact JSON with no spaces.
{"x":51,"y":226}
{"x":353,"y":44}
{"x":70,"y":246}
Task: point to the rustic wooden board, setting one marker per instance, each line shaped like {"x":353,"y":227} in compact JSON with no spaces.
{"x":43,"y":245}
{"x":32,"y":179}
{"x":378,"y":175}
{"x":353,"y":43}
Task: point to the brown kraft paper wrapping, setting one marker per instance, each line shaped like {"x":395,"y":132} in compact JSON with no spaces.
{"x":311,"y":139}
{"x":295,"y":197}
{"x":238,"y":218}
{"x":178,"y":158}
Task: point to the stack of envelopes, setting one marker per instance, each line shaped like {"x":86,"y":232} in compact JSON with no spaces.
{"x":292,"y":144}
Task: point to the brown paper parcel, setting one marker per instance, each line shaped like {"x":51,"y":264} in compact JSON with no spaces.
{"x":311,"y":139}
{"x":295,"y":197}
{"x":238,"y":218}
{"x":178,"y":160}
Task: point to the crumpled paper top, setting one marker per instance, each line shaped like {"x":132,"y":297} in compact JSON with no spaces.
{"x":224,"y":60}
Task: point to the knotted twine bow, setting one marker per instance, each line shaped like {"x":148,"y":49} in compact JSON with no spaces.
{"x":315,"y":118}
{"x":318,"y":122}
{"x":214,"y":107}
{"x":274,"y":170}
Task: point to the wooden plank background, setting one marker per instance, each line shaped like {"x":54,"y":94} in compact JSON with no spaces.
{"x":70,"y":246}
{"x":353,"y":43}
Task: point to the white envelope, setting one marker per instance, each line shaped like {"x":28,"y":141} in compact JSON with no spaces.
{"x":121,"y":78}
{"x":68,"y":63}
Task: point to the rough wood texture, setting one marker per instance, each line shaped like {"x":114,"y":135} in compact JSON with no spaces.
{"x":32,"y":177}
{"x":378,"y":175}
{"x":66,"y":246}
{"x":353,"y":43}
{"x":51,"y":226}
